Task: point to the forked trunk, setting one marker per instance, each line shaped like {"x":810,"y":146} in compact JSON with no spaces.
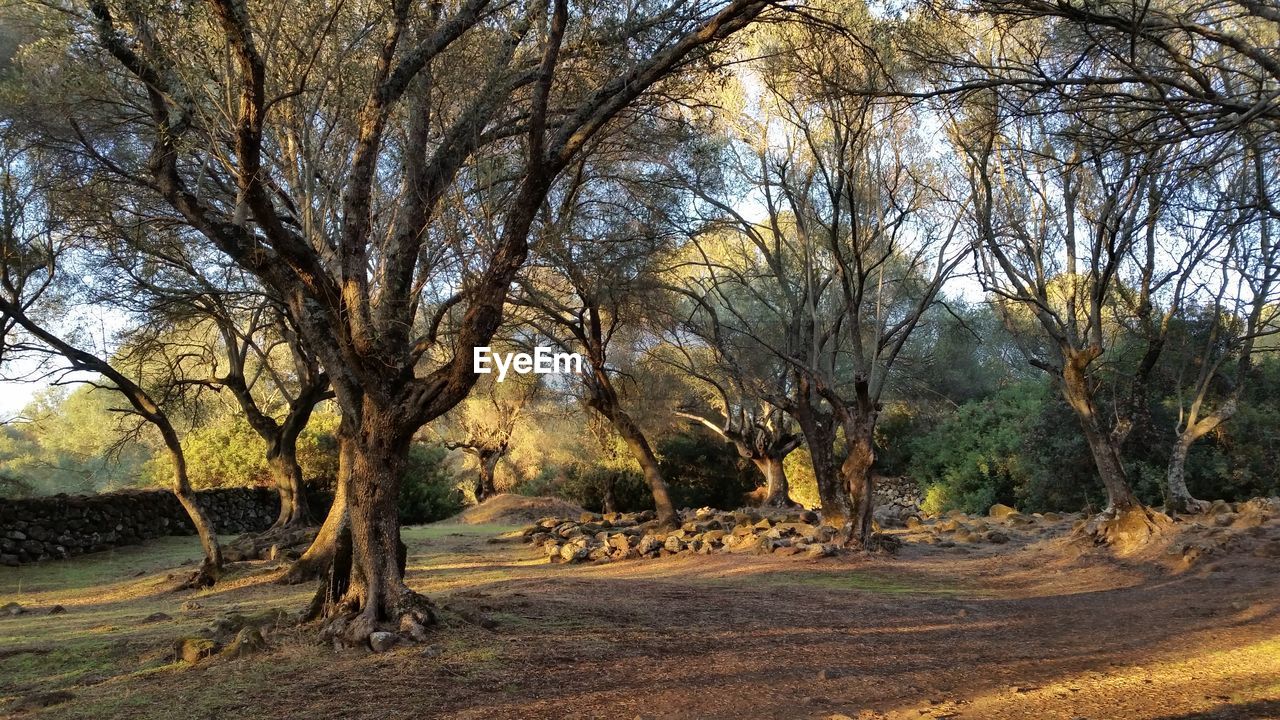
{"x":856,"y":472}
{"x":294,"y":510}
{"x":776,"y":489}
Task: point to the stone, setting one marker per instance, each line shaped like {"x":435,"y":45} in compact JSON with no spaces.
{"x":996,"y":537}
{"x":1001,"y":511}
{"x":247,"y":642}
{"x":431,"y":651}
{"x":673,"y":544}
{"x":649,"y":545}
{"x":12,"y":608}
{"x":821,"y":550}
{"x":192,"y":650}
{"x":191,"y":605}
{"x":57,"y":610}
{"x":574,"y":553}
{"x":382,"y":641}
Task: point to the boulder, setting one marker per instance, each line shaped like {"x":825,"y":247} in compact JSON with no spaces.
{"x":382,"y":641}
{"x":1000,"y":511}
{"x":247,"y":642}
{"x":192,"y":650}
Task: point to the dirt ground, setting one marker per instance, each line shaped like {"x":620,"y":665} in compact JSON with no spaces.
{"x":1035,"y":628}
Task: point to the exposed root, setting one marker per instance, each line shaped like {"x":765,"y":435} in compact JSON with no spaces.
{"x":1123,"y":529}
{"x":408,"y":617}
{"x":282,"y":543}
{"x":1186,"y":506}
{"x":206,"y":576}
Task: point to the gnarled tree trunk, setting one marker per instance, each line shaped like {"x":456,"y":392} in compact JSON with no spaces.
{"x":776,"y":488}
{"x":282,"y":458}
{"x":319,"y":556}
{"x":486,"y":485}
{"x":856,"y":472}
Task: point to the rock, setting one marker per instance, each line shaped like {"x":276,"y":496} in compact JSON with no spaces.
{"x":574,"y":553}
{"x":156,"y":617}
{"x":1000,"y":511}
{"x":57,"y":610}
{"x":821,"y":550}
{"x":431,"y":651}
{"x":192,"y":650}
{"x":191,"y":605}
{"x":828,"y":674}
{"x":673,"y":544}
{"x":965,"y":536}
{"x":649,"y":545}
{"x":996,"y":537}
{"x":1051,"y":517}
{"x":247,"y":642}
{"x":382,"y":641}
{"x":12,"y":608}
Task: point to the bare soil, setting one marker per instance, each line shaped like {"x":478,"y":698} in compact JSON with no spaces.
{"x":512,"y":509}
{"x":1035,"y":628}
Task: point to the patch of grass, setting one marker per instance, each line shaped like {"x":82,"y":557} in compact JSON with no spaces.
{"x":852,"y":580}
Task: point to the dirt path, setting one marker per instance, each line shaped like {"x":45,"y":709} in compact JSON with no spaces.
{"x":1031,"y":629}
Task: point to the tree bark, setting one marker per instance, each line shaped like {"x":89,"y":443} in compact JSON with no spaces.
{"x":609,"y":498}
{"x":605,"y":402}
{"x":1106,"y":454}
{"x":856,"y":472}
{"x":776,"y":488}
{"x":211,"y":568}
{"x":365,"y":590}
{"x":282,"y":458}
{"x":486,"y":486}
{"x":319,"y":556}
{"x":819,"y":432}
{"x":1177,"y":498}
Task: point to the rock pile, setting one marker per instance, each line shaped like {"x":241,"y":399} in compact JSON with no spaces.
{"x":61,"y":526}
{"x":627,"y":536}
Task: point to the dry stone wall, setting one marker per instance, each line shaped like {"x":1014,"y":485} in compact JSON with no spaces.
{"x":61,"y":526}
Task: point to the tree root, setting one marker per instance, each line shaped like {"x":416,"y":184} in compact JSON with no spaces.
{"x":408,"y":618}
{"x":1186,"y":506}
{"x":1123,"y":529}
{"x":206,"y":576}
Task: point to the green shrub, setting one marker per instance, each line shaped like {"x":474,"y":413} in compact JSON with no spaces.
{"x":427,"y":492}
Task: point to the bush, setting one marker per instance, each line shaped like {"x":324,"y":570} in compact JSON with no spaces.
{"x":1020,"y":447}
{"x":427,"y":493}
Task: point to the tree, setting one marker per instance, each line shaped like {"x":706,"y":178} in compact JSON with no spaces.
{"x":482,"y":427}
{"x":36,"y":245}
{"x":846,"y":261}
{"x":315,"y":156}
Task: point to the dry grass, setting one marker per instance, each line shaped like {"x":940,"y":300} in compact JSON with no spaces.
{"x":1029,"y":629}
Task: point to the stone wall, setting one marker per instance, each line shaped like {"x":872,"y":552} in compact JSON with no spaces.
{"x":901,"y":491}
{"x":62,"y":526}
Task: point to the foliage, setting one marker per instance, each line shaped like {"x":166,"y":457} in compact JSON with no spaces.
{"x":427,"y":493}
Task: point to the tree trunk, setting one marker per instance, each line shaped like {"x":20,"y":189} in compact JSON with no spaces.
{"x":856,"y":472}
{"x":211,"y":568}
{"x":365,"y":590}
{"x":776,"y":489}
{"x":1106,"y":455}
{"x":820,"y":437}
{"x":487,"y":487}
{"x":319,"y":556}
{"x":609,"y":500}
{"x":633,"y":436}
{"x":282,"y":458}
{"x":1177,"y":498}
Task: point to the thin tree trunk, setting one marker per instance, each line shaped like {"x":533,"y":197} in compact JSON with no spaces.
{"x":211,"y":568}
{"x":776,"y":488}
{"x":609,"y":501}
{"x":1106,"y":455}
{"x":1177,"y":498}
{"x":605,"y":403}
